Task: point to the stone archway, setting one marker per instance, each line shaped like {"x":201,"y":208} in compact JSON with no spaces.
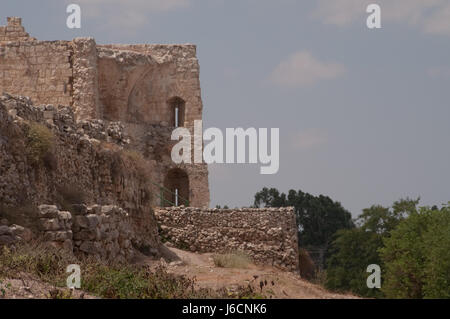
{"x":176,"y":183}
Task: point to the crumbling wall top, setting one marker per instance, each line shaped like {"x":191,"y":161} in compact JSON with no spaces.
{"x":14,"y":31}
{"x":14,"y":21}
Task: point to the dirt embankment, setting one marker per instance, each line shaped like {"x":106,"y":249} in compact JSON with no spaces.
{"x":269,"y":281}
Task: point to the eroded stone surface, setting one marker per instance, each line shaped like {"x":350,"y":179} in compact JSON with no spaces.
{"x":268,"y":235}
{"x":123,"y":92}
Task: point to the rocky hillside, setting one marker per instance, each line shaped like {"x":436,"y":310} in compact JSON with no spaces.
{"x":46,"y":157}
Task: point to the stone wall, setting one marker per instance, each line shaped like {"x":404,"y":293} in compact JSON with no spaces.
{"x":150,"y":74}
{"x":85,"y":163}
{"x":14,"y":31}
{"x":10,"y":235}
{"x":39,"y":70}
{"x":104,"y":232}
{"x":133,"y":84}
{"x":85,"y":79}
{"x":56,"y":226}
{"x":268,"y":235}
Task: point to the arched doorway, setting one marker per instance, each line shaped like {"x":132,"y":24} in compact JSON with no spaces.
{"x":176,"y":186}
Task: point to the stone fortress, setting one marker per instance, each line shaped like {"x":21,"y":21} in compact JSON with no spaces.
{"x":139,"y":85}
{"x":104,"y":100}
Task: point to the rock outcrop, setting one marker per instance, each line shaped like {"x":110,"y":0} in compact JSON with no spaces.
{"x":68,"y":162}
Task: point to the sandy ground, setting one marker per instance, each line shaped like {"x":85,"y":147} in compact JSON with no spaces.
{"x":277,"y":284}
{"x":268,"y":281}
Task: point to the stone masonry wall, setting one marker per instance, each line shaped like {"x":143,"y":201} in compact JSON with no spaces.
{"x":268,"y":235}
{"x":104,"y":232}
{"x":56,"y":226}
{"x":14,"y":31}
{"x":39,"y":70}
{"x":85,"y":162}
{"x":157,"y":73}
{"x":85,"y":79}
{"x":10,"y":235}
{"x":134,"y":84}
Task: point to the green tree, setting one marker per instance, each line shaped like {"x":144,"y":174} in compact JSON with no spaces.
{"x":354,"y":249}
{"x":382,"y":220}
{"x":318,"y":217}
{"x":417,"y":256}
{"x":350,"y":254}
{"x":437,"y":243}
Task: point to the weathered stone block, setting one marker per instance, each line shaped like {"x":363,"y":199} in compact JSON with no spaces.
{"x":48,"y":211}
{"x":94,"y":220}
{"x":5,"y":230}
{"x":50,"y":224}
{"x":23,"y":233}
{"x":64,"y":215}
{"x":89,"y":247}
{"x":85,"y":234}
{"x":79,"y":209}
{"x":81,"y":221}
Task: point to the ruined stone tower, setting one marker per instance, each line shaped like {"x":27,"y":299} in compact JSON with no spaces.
{"x":148,"y":88}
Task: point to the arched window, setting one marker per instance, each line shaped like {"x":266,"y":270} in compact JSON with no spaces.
{"x":177,"y":110}
{"x":176,"y":186}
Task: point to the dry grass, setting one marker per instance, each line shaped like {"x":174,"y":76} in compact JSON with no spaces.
{"x":236,"y":259}
{"x":106,"y":280}
{"x":136,"y":159}
{"x":40,"y":143}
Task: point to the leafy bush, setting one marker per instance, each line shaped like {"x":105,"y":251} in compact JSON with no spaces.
{"x":236,"y":259}
{"x":417,"y":256}
{"x":437,"y":254}
{"x":318,"y":217}
{"x":351,"y":253}
{"x":355,"y":249}
{"x":40,"y":141}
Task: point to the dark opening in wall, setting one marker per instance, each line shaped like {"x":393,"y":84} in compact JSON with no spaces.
{"x":177,"y":111}
{"x":177,"y":188}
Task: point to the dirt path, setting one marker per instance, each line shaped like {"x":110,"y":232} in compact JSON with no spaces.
{"x":279,"y":285}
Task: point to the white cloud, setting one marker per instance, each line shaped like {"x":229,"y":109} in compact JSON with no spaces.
{"x":430,"y":16}
{"x":128,"y":13}
{"x":303,"y":69}
{"x":308,"y":139}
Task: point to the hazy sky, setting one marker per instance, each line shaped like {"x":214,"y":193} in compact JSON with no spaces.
{"x":364,"y":115}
